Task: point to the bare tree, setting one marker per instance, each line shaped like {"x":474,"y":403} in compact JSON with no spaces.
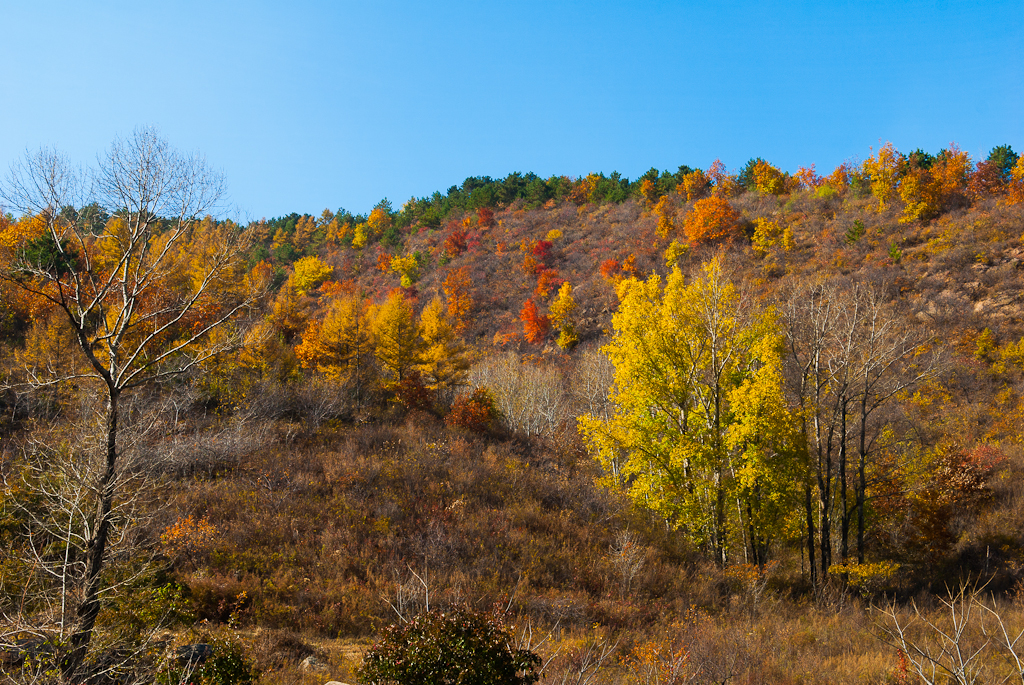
{"x":628,"y":558}
{"x":890,"y":358}
{"x":590,"y":384}
{"x":530,"y":397}
{"x":850,"y":354}
{"x":144,"y":294}
{"x":966,"y":641}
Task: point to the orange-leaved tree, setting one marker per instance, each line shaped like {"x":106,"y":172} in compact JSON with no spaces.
{"x":485,"y":217}
{"x":1015,"y":190}
{"x":723,"y":183}
{"x":808,"y":178}
{"x":710,"y":220}
{"x":459,"y":298}
{"x":925,"y":191}
{"x":547,"y":280}
{"x":535,"y":324}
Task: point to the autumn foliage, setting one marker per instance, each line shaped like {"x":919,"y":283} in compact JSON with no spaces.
{"x":455,"y":243}
{"x":474,"y":412}
{"x":711,"y":219}
{"x":458,"y":296}
{"x":547,"y":280}
{"x":535,"y":324}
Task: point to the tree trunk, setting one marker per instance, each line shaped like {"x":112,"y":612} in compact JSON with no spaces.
{"x":721,"y":529}
{"x":809,"y":507}
{"x":845,"y":535}
{"x":89,"y":608}
{"x":862,"y":482}
{"x":825,"y":500}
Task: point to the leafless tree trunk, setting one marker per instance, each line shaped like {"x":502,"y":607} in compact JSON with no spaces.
{"x":850,"y":354}
{"x":142,"y":294}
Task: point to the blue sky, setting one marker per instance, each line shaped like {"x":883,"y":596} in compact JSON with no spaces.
{"x":310,"y":105}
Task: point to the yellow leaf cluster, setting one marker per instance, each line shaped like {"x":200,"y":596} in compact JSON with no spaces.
{"x":310,"y":273}
{"x":408,"y":267}
{"x":561,"y":315}
{"x":884,"y":170}
{"x":768,"y":179}
{"x":768,"y":233}
{"x":664,"y":212}
{"x":695,"y":185}
{"x":336,"y":345}
{"x":444,"y":364}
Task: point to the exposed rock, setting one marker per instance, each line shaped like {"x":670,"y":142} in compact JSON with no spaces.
{"x":194,"y":654}
{"x":311,"y":663}
{"x":1000,"y":305}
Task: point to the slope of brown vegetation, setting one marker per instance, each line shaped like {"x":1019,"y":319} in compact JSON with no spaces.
{"x":303,"y":504}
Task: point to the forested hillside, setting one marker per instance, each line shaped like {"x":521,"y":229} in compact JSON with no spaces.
{"x":703,"y":426}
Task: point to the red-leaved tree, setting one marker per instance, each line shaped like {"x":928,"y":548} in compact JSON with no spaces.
{"x":535,"y":324}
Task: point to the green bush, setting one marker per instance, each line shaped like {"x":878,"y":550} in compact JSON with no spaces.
{"x":227,"y":664}
{"x":445,"y":647}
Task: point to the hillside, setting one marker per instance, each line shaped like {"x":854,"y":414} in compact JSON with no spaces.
{"x":328,"y":468}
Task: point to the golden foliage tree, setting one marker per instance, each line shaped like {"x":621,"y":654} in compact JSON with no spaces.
{"x":701,"y":432}
{"x":666,"y":223}
{"x":768,"y":179}
{"x":444,"y":365}
{"x":649,"y":191}
{"x":290,"y":310}
{"x":562,"y":316}
{"x":408,"y":268}
{"x":310,"y":273}
{"x":883,"y":168}
{"x":459,"y":297}
{"x":396,"y":338}
{"x":768,"y":233}
{"x":339,"y":344}
{"x":695,"y":185}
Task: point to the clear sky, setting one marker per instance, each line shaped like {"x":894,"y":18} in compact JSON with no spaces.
{"x":307,"y":105}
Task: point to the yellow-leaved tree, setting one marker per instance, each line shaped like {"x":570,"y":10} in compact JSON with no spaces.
{"x":396,"y":341}
{"x":663,"y":210}
{"x":290,"y":310}
{"x":701,"y":432}
{"x":883,"y":168}
{"x":562,"y":316}
{"x":338,"y":346}
{"x":444,"y":364}
{"x":310,"y":273}
{"x":408,"y":267}
{"x":768,"y":179}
